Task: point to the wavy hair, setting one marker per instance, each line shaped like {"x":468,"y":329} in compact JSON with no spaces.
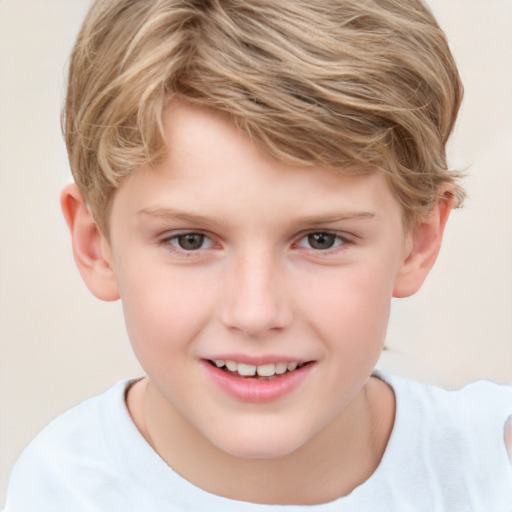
{"x":343,"y":84}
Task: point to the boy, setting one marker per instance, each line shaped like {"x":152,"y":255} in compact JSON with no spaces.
{"x":255,"y":180}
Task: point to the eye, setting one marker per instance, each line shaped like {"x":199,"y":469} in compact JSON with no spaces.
{"x":321,"y":241}
{"x":189,"y":241}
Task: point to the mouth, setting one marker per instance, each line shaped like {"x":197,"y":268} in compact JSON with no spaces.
{"x":269,"y":371}
{"x":265,"y":382}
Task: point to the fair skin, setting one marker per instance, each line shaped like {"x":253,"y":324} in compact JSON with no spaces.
{"x":222,"y":253}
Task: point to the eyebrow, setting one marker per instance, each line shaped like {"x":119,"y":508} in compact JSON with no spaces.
{"x":170,"y":214}
{"x":313,"y":220}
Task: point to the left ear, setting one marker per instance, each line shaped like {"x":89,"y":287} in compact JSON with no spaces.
{"x":423,"y":247}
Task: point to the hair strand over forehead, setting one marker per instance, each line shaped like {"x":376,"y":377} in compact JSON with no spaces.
{"x":345,"y":84}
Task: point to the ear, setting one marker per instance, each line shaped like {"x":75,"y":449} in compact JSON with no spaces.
{"x":423,"y":246}
{"x":90,"y":248}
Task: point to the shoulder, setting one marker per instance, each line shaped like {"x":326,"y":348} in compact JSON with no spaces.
{"x":478,"y":409}
{"x":476,"y":414}
{"x":457,"y":438}
{"x":480,"y":406}
{"x":73,"y":429}
{"x":481,"y":401}
{"x":74,"y":449}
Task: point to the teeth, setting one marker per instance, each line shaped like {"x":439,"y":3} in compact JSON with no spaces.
{"x":281,"y":368}
{"x":232,"y":366}
{"x":246,"y":370}
{"x":250,"y":370}
{"x":266,"y":370}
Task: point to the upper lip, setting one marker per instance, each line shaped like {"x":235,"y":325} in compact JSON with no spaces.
{"x":258,"y":360}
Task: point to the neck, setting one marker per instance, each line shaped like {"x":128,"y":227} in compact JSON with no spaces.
{"x":331,"y":464}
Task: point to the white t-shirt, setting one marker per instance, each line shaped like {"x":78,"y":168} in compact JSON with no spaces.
{"x":446,"y":453}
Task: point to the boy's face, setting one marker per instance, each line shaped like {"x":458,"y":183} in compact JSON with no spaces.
{"x":221,"y":253}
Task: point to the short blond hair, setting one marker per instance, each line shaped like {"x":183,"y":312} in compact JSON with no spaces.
{"x":343,"y":84}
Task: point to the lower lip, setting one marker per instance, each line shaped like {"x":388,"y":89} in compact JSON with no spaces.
{"x":255,"y":390}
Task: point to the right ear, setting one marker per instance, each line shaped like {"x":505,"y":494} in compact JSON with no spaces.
{"x":90,"y":248}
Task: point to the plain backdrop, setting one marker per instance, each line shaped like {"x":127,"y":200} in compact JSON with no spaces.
{"x":59,"y":345}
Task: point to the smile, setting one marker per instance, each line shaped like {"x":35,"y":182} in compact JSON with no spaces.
{"x":250,"y":370}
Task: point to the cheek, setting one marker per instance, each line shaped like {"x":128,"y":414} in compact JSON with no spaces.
{"x":352,"y":305}
{"x":163,"y":310}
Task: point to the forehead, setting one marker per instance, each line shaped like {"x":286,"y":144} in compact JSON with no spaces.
{"x":213,"y":167}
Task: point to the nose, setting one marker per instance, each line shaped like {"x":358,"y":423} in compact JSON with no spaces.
{"x":256,"y":299}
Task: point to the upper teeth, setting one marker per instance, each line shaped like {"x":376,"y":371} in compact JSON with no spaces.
{"x":263,"y":370}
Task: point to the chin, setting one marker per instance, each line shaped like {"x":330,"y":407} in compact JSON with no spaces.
{"x":257,"y":446}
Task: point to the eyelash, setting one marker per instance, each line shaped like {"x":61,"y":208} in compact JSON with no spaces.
{"x":340,"y":242}
{"x":168,"y":242}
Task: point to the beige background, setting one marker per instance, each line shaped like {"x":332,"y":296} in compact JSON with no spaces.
{"x":59,"y":345}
